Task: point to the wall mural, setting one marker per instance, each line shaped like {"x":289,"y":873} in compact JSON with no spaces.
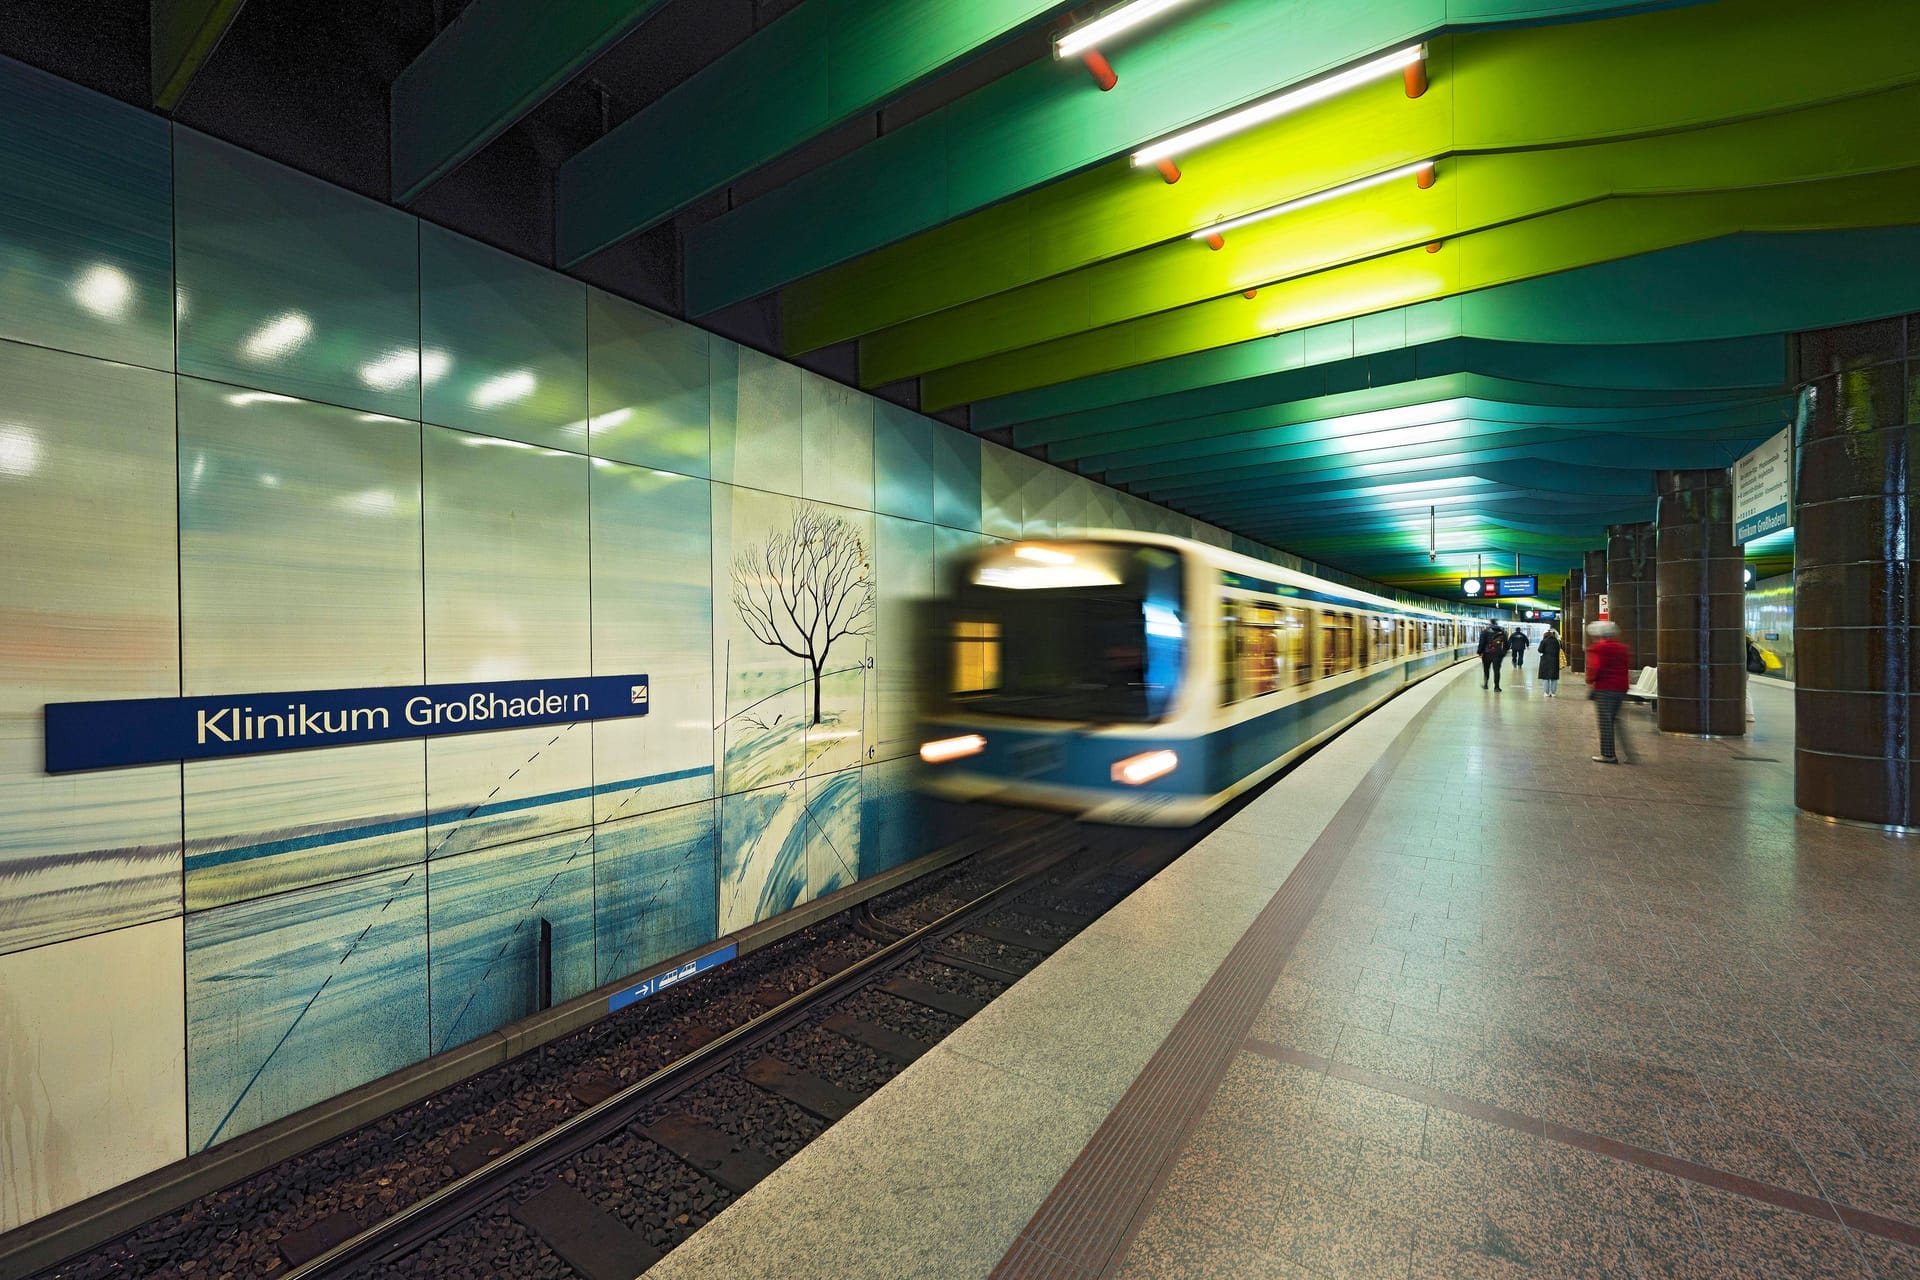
{"x":797,"y":644}
{"x":375,"y":453}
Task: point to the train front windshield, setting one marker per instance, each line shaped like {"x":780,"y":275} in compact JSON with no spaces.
{"x":1081,"y":631}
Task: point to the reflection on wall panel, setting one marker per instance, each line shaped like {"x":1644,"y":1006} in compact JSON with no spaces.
{"x":649,"y":387}
{"x":289,"y":284}
{"x":300,"y":544}
{"x":653,"y":614}
{"x":503,"y":343}
{"x":86,"y":222}
{"x":89,"y":610}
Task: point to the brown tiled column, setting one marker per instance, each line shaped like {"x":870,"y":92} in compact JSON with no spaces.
{"x":1701,"y":608}
{"x":1854,"y":562}
{"x":1630,"y":587}
{"x":1593,"y":581}
{"x":1573,"y":635}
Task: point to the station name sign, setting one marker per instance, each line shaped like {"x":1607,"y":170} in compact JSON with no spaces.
{"x":1763,"y":489}
{"x":102,"y":735}
{"x":1497,"y":588}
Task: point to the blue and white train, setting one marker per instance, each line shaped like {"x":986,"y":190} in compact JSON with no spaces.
{"x":1137,"y":678}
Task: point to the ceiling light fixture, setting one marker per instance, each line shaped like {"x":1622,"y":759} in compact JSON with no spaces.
{"x":1281,"y":104}
{"x":1086,"y":35}
{"x":1218,"y":229}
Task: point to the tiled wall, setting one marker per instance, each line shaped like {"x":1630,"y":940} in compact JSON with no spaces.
{"x":258,"y":434}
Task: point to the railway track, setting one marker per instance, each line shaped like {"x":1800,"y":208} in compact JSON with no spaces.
{"x":574,"y":1200}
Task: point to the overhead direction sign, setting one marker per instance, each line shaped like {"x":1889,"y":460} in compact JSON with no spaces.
{"x":1763,"y":489}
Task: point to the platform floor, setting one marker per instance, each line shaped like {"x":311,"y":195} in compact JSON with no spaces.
{"x":1449,"y":1000}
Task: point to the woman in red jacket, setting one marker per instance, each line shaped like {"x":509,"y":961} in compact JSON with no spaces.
{"x":1607,"y":663}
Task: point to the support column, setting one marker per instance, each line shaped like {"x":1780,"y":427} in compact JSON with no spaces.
{"x":1854,"y":573}
{"x":1702,"y":607}
{"x":1594,"y":582}
{"x":1630,"y":587}
{"x":1573,"y":634}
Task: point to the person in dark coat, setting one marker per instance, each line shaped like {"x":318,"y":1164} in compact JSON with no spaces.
{"x":1493,"y":650}
{"x":1550,"y":663}
{"x":1517,"y":646}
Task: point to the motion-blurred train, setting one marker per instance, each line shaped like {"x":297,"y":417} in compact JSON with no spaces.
{"x":1137,"y":678}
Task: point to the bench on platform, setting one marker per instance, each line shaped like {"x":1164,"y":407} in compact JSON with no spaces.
{"x":1647,"y":688}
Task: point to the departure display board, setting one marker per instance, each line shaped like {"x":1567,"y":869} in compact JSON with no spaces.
{"x":1500,"y":588}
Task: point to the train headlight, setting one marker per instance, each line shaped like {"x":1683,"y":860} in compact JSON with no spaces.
{"x":971,"y":744}
{"x":1145,"y":767}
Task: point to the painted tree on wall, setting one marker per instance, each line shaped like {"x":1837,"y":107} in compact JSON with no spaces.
{"x":805,"y":588}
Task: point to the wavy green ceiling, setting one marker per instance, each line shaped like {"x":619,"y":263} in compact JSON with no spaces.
{"x":1486,"y":96}
{"x":1048,"y":121}
{"x":807,"y":71}
{"x":1634,"y":207}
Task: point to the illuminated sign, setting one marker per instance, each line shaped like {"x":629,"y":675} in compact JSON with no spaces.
{"x":1498,"y":588}
{"x":1763,"y":490}
{"x":101,"y":735}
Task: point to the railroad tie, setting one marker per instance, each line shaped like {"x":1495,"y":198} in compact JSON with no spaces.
{"x":1013,"y":938}
{"x":308,"y":1243}
{"x":882,"y":1040}
{"x":588,"y":1238}
{"x":932,"y":997}
{"x":720,"y":1156}
{"x":805,"y":1090}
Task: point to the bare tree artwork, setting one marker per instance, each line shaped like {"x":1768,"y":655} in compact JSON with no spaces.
{"x":805,"y":588}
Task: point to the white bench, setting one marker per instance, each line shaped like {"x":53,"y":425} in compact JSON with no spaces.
{"x":1647,"y":687}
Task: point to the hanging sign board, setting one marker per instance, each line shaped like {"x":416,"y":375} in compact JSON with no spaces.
{"x":1498,"y":588}
{"x":1763,"y":489}
{"x":101,"y":735}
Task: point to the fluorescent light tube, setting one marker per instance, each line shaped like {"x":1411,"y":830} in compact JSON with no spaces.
{"x":1281,"y":104}
{"x":1318,"y":197}
{"x":1087,"y":35}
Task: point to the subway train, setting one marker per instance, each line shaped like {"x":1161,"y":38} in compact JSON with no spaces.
{"x":1145,"y":679}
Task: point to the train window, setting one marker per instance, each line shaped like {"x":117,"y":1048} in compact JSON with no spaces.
{"x":976,"y":656}
{"x":1363,"y":642}
{"x":1258,"y":653}
{"x":1426,"y":636}
{"x":1229,"y":653}
{"x":1336,"y":642}
{"x":1296,"y":646}
{"x":1259,"y":650}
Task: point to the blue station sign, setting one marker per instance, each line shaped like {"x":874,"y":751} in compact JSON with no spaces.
{"x":102,"y":735}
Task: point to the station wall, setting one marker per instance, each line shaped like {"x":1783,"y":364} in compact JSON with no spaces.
{"x":260,"y":434}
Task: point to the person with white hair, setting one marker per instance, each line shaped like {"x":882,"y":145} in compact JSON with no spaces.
{"x":1608,"y":661}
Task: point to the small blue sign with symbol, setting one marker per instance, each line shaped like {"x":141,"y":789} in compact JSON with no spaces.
{"x":661,"y":981}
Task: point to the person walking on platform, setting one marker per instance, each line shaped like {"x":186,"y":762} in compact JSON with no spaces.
{"x":1493,"y":650}
{"x":1550,"y":664}
{"x":1607,"y":663}
{"x":1517,"y":646}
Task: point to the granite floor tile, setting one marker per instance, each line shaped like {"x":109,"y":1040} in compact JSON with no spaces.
{"x":1778,"y":1240}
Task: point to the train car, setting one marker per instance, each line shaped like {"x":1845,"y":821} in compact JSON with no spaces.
{"x":1139,"y":678}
